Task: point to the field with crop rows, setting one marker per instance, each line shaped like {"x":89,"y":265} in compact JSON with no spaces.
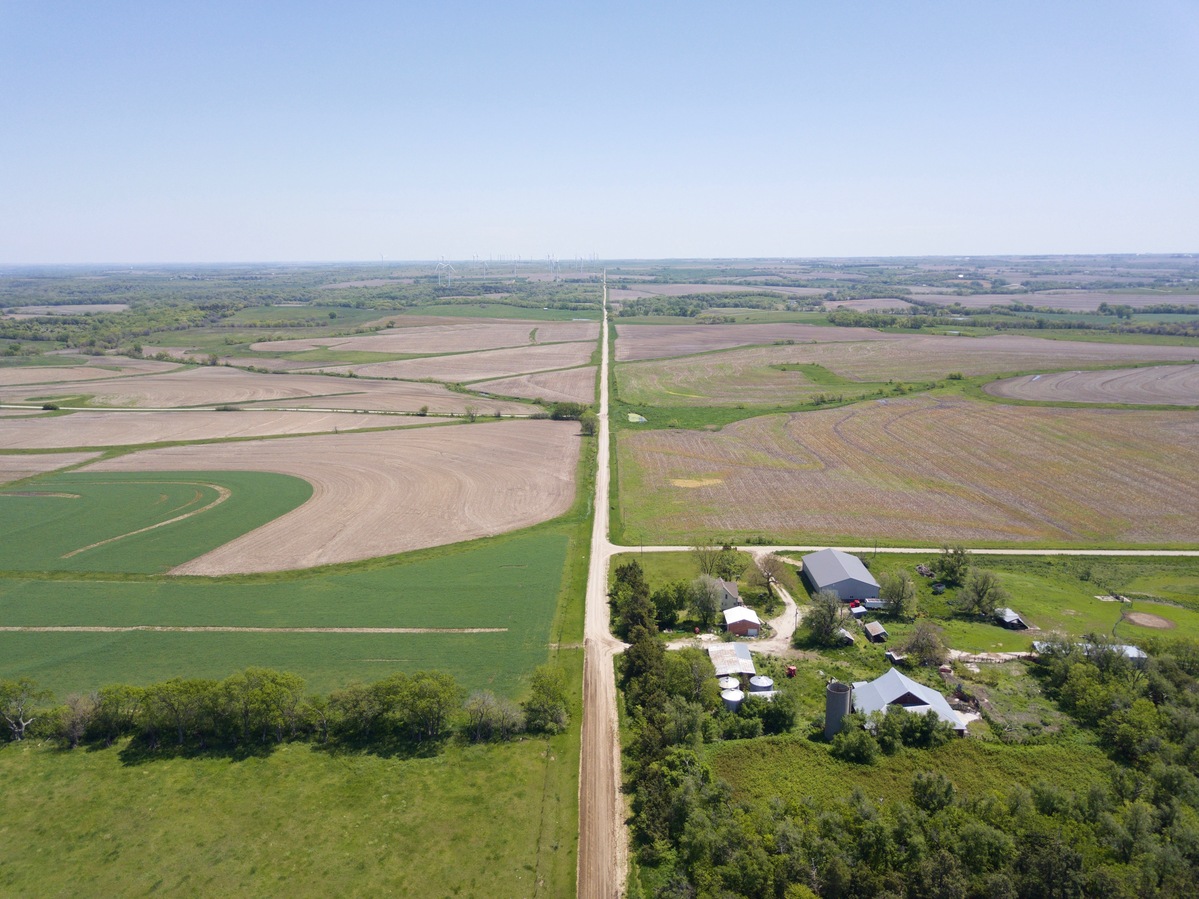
{"x":921,"y":470}
{"x":751,"y":376}
{"x":1175,"y":385}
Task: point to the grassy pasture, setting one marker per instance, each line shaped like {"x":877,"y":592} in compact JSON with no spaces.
{"x":481,"y":821}
{"x":919,"y":470}
{"x":511,"y":582}
{"x":499,"y":310}
{"x":47,"y":521}
{"x":795,"y":768}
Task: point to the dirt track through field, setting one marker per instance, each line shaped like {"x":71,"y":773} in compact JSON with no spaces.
{"x":217,"y":629}
{"x":223,"y":493}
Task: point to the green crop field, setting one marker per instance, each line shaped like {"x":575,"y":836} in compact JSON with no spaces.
{"x":299,"y":316}
{"x":142,"y":523}
{"x":481,"y":821}
{"x":508,"y":582}
{"x":500,"y":310}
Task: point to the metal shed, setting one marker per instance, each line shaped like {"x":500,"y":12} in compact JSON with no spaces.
{"x":843,"y":574}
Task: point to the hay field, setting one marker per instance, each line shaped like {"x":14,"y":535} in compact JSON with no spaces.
{"x":14,"y":468}
{"x":386,"y":492}
{"x":574,"y":385}
{"x":129,"y":428}
{"x":746,"y":375}
{"x":1167,"y":385}
{"x":636,"y":342}
{"x":922,"y":470}
{"x":481,"y":366}
{"x":211,"y":386}
{"x":93,"y":370}
{"x":445,"y":336}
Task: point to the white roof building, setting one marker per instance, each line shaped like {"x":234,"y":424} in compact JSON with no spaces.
{"x":894,"y":689}
{"x":741,"y":613}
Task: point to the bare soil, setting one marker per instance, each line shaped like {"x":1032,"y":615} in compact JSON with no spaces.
{"x":921,"y":469}
{"x":574,"y":385}
{"x":446,"y":336}
{"x":14,"y":468}
{"x":481,"y":366}
{"x":1145,"y":619}
{"x":1172,"y":385}
{"x":634,"y":342}
{"x":386,"y":492}
{"x":106,"y":367}
{"x":127,"y":428}
{"x":1065,"y":300}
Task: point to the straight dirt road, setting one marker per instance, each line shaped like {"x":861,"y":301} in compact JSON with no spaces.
{"x":603,"y":844}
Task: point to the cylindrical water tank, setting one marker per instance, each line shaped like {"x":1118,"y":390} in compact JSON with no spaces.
{"x":732,"y":699}
{"x":838,"y":702}
{"x":729,"y":683}
{"x":761,"y":684}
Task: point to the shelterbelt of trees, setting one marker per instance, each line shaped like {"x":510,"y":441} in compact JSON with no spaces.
{"x":260,"y":707}
{"x":1133,"y":832}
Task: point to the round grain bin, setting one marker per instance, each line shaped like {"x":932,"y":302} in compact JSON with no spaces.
{"x":838,"y":702}
{"x":732,"y":699}
{"x":761,"y":684}
{"x":729,"y":683}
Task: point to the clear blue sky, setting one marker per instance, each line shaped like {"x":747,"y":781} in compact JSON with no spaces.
{"x":212,"y":131}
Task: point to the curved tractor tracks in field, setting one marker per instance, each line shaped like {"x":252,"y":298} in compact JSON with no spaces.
{"x":603,"y":841}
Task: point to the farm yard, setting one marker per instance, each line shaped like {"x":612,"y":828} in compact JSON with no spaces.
{"x":752,"y":376}
{"x":921,"y":470}
{"x":386,"y":492}
{"x":1176,"y":385}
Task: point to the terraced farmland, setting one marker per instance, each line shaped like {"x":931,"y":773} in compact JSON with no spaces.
{"x":921,"y":470}
{"x":1174,"y":385}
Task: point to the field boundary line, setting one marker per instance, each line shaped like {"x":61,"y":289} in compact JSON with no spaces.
{"x":224,"y":629}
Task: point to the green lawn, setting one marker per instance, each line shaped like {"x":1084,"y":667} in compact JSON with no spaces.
{"x":48,"y":523}
{"x":471,"y":821}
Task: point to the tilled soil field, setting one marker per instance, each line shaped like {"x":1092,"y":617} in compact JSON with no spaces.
{"x":1167,"y":385}
{"x":14,"y":468}
{"x":101,"y":367}
{"x":386,"y":492}
{"x":575,"y":385}
{"x":485,"y":365}
{"x":128,"y":428}
{"x":746,"y":375}
{"x":922,"y":470}
{"x":447,"y":336}
{"x":1065,"y":300}
{"x":210,"y":386}
{"x":634,"y":342}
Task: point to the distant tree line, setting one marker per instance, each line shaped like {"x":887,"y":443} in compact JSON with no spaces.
{"x":260,"y":707}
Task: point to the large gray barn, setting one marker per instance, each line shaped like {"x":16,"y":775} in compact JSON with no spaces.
{"x":845,"y":575}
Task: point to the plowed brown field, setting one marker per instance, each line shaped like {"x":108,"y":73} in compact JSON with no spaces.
{"x":446,"y":336}
{"x":467,"y":367}
{"x":746,"y":375}
{"x":219,"y":385}
{"x":575,"y":385}
{"x":107,"y":367}
{"x":1167,"y":385}
{"x":1066,"y":300}
{"x":635,"y":342}
{"x":386,"y":492}
{"x":922,"y":470}
{"x":126,"y":428}
{"x":13,"y":468}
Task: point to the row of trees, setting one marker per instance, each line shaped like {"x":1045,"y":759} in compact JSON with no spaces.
{"x":261,"y":707}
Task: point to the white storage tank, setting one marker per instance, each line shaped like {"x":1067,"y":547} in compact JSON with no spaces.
{"x":761,"y":684}
{"x":732,"y":699}
{"x":729,"y":683}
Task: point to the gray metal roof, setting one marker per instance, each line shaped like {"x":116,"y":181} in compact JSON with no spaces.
{"x":894,"y":688}
{"x":875,"y":629}
{"x":831,"y":566}
{"x":1007,"y":616}
{"x":731,"y":658}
